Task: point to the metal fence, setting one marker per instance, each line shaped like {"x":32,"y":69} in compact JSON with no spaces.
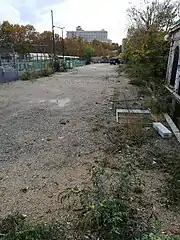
{"x":8,"y":74}
{"x":8,"y":70}
{"x":12,"y":66}
{"x":33,"y":65}
{"x":74,"y":63}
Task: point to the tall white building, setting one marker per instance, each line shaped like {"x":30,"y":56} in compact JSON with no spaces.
{"x":89,"y":36}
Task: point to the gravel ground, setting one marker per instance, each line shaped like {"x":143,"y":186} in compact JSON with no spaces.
{"x":49,"y":138}
{"x":46,"y":136}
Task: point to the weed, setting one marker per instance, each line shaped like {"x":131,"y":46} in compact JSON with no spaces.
{"x":28,"y":76}
{"x":32,"y":75}
{"x":138,"y":189}
{"x":112,"y":218}
{"x":46,"y":72}
{"x":132,"y":133}
{"x":141,"y":76}
{"x":153,"y":236}
{"x":172,"y":188}
{"x":109,"y":211}
{"x":137,"y":82}
{"x":98,"y":126}
{"x":143,"y":91}
{"x":106,"y":77}
{"x":105,"y":205}
{"x":161,"y":100}
{"x":14,"y":227}
{"x":168,"y":160}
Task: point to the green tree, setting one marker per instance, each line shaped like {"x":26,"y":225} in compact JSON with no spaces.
{"x":145,"y":48}
{"x":88,"y":53}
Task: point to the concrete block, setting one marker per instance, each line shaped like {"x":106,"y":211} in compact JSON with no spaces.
{"x":130,"y":111}
{"x":162,"y":130}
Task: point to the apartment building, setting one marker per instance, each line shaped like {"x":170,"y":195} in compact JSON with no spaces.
{"x":89,"y":36}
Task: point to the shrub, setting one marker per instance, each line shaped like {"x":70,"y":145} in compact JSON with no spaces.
{"x":137,"y":82}
{"x":172,"y":188}
{"x":31,"y":75}
{"x":56,"y":66}
{"x":112,"y":218}
{"x":152,"y":236}
{"x":168,"y":160}
{"x":14,"y":227}
{"x":46,"y":72}
{"x":25,"y":76}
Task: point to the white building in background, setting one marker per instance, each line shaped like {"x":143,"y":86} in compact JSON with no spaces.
{"x":89,"y":36}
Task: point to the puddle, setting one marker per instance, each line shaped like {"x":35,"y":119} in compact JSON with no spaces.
{"x":60,"y":102}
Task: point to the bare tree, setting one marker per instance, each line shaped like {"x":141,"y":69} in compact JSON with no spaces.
{"x":160,"y":14}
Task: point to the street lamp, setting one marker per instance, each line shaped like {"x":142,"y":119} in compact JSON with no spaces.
{"x":53,"y":37}
{"x":62,"y":29}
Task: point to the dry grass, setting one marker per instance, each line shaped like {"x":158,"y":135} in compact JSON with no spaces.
{"x":133,"y":132}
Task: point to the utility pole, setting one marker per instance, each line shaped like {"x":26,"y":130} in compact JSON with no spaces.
{"x":62,"y":36}
{"x":62,"y":29}
{"x":53,"y":37}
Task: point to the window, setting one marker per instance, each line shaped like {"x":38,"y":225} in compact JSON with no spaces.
{"x":174,"y":66}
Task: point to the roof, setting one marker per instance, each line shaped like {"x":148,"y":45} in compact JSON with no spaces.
{"x":176,"y":27}
{"x":177,"y":22}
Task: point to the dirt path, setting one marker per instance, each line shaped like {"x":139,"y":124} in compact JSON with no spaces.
{"x":46,"y":136}
{"x":53,"y":129}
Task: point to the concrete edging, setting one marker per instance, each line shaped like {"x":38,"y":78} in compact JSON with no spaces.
{"x":172,"y":126}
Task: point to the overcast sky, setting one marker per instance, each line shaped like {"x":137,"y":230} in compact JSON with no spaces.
{"x":90,"y":14}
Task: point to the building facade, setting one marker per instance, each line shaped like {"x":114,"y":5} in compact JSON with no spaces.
{"x":89,"y":36}
{"x":173,"y":71}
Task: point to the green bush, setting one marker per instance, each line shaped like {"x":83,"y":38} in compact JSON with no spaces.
{"x":106,"y":209}
{"x":112,"y":218}
{"x":31,"y":75}
{"x":28,"y":75}
{"x":25,"y":76}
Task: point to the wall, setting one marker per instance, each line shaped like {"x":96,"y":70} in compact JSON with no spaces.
{"x":8,"y":74}
{"x":89,"y":35}
{"x":175,"y":42}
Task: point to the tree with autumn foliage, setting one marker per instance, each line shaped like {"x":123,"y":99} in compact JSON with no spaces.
{"x":24,"y":39}
{"x":145,"y":48}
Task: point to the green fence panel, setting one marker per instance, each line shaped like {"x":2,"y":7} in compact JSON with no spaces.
{"x":33,"y":65}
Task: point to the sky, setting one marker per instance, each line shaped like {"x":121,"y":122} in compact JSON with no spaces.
{"x":89,"y":14}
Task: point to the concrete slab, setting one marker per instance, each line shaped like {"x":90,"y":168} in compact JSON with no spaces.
{"x":163,"y":131}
